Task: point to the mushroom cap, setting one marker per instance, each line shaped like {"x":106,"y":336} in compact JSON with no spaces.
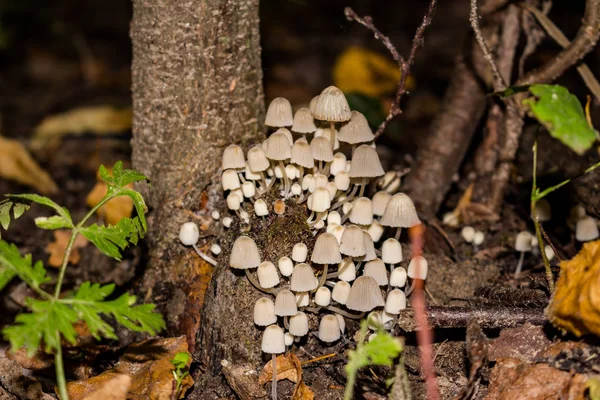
{"x":334,"y":217}
{"x":244,"y":254}
{"x":233,"y":157}
{"x":260,"y":208}
{"x":298,"y":324}
{"x":353,"y":242}
{"x":326,"y":250}
{"x":365,"y":163}
{"x":332,"y":106}
{"x":417,"y":268}
{"x":468,"y":234}
{"x":313,"y":103}
{"x":398,"y":277}
{"x":286,"y":266}
{"x":302,"y":299}
{"x":365,"y":295}
{"x":325,"y":132}
{"x":523,"y":241}
{"x":321,"y":149}
{"x":376,"y":270}
{"x":362,"y":211}
{"x":347,"y":270}
{"x":320,"y":200}
{"x":230,"y":180}
{"x":586,"y":229}
{"x":323,"y":296}
{"x":257,"y":160}
{"x":273,"y":340}
{"x":279,"y":113}
{"x":400,"y":212}
{"x":285,"y":303}
{"x":342,"y":181}
{"x":341,"y":291}
{"x":287,"y":134}
{"x":264,"y":312}
{"x":395,"y":302}
{"x":356,"y":130}
{"x":302,"y":154}
{"x":299,"y":252}
{"x":304,"y":121}
{"x":267,"y":275}
{"x":329,"y":329}
{"x":303,"y":278}
{"x":189,"y":233}
{"x":278,"y":147}
{"x":338,"y":164}
{"x":248,"y":189}
{"x":370,"y":253}
{"x":391,"y":251}
{"x":380,"y":201}
{"x":376,"y":231}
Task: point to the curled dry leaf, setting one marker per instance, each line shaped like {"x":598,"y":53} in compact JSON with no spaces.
{"x":288,"y":367}
{"x":57,"y":248}
{"x":575,"y":305}
{"x":17,"y":164}
{"x":114,"y":210}
{"x":113,"y":389}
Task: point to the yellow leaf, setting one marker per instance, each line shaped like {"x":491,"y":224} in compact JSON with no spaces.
{"x":366,"y":72}
{"x":114,"y":210}
{"x":16,"y":164}
{"x":59,"y":246}
{"x":575,"y":305}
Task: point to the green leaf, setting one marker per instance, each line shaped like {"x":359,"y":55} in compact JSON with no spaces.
{"x":12,"y":263}
{"x":111,"y":239}
{"x":562,"y":115}
{"x":54,"y":222}
{"x":5,"y":207}
{"x":180,"y":359}
{"x":139,"y":204}
{"x":120,"y":177}
{"x":47,"y":320}
{"x":380,"y":351}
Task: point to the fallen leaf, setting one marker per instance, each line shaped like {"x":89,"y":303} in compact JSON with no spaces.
{"x":523,"y":342}
{"x":57,"y":248}
{"x":242,"y":379}
{"x":290,"y":368}
{"x":302,"y":392}
{"x":16,"y":164}
{"x":39,"y":360}
{"x":15,"y":380}
{"x":115,"y":209}
{"x":575,"y":305}
{"x":148,"y":364}
{"x":114,"y":389}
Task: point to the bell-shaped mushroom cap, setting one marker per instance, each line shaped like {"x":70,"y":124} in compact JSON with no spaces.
{"x":334,"y":218}
{"x":298,"y":324}
{"x":338,"y":164}
{"x":303,"y":278}
{"x":257,"y":160}
{"x":341,"y":291}
{"x":304,"y":121}
{"x":323,"y":296}
{"x":356,"y":130}
{"x":327,"y":250}
{"x":347,"y":270}
{"x":248,"y":189}
{"x":279,"y":113}
{"x":286,"y":266}
{"x":233,"y":201}
{"x":398,"y":277}
{"x":264,"y":312}
{"x":362,"y":211}
{"x":251,"y":175}
{"x":278,"y":147}
{"x":332,"y":106}
{"x":353,"y":242}
{"x":302,"y":154}
{"x":380,"y":201}
{"x":376,"y":270}
{"x":260,"y":208}
{"x":189,"y":233}
{"x":320,"y":200}
{"x":313,"y":103}
{"x":400,"y":212}
{"x":365,"y":163}
{"x":391,"y":251}
{"x":417,"y":268}
{"x":230,"y":180}
{"x":365,"y":295}
{"x":342,"y":181}
{"x":321,"y":149}
{"x":338,"y":231}
{"x":395,"y":302}
{"x":273,"y":340}
{"x":376,"y":231}
{"x":267,"y":275}
{"x":370,"y":253}
{"x":233,"y":157}
{"x":285,"y":303}
{"x":244,"y":254}
{"x":523,"y":241}
{"x":299,"y":252}
{"x":287,"y":134}
{"x":321,"y":181}
{"x":329,"y":329}
{"x":586,"y":229}
{"x":309,"y":183}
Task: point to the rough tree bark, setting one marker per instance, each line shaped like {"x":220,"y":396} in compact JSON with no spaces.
{"x":197,"y":87}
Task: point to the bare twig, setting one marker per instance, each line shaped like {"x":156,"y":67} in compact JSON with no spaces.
{"x":403,"y":64}
{"x":499,"y":82}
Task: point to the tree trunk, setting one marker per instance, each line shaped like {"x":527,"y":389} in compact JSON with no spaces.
{"x":197,"y":87}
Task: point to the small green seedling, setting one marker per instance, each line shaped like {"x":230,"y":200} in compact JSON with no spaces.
{"x":181,"y":371}
{"x":54,"y":314}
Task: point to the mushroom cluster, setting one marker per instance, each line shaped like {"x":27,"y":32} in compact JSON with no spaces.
{"x":323,"y":158}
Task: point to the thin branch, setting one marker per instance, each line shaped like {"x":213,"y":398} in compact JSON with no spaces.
{"x":404,"y":65}
{"x":499,"y":82}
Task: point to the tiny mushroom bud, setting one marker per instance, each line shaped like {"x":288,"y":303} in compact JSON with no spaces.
{"x":586,"y":229}
{"x":233,"y":202}
{"x":289,"y":338}
{"x":215,"y":249}
{"x":189,"y":234}
{"x":260,"y":208}
{"x":522,"y":245}
{"x":338,"y":164}
{"x":323,"y":296}
{"x":264,"y":312}
{"x":286,"y":266}
{"x":398,"y":277}
{"x":227,"y":222}
{"x":248,"y":189}
{"x":549,"y":252}
{"x":299,"y":252}
{"x":279,"y":207}
{"x":341,"y":291}
{"x":334,"y":217}
{"x":468,"y":234}
{"x":230,"y":180}
{"x":267,"y":275}
{"x":298,"y":324}
{"x":329,"y":329}
{"x":342,"y":181}
{"x":296,"y":189}
{"x":395,"y":302}
{"x":417,"y":268}
{"x":346,"y":207}
{"x":215,"y":215}
{"x":478,"y":238}
{"x":319,"y":224}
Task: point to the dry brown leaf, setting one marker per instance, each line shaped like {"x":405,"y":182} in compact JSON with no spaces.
{"x":38,"y":361}
{"x":16,"y":164}
{"x":115,"y":209}
{"x":290,"y":368}
{"x":575,"y":305}
{"x":113,"y":389}
{"x":148,"y":364}
{"x":302,"y":392}
{"x":57,"y":248}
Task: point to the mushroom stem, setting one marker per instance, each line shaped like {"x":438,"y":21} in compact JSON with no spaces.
{"x":204,"y":256}
{"x":345,"y":313}
{"x":519,"y":265}
{"x":410,"y":289}
{"x":338,"y":272}
{"x":332,"y":130}
{"x":286,"y":322}
{"x":363,"y":186}
{"x":286,"y":181}
{"x":320,"y":166}
{"x":318,"y":218}
{"x":398,"y":232}
{"x":358,"y":265}
{"x":274,"y":384}
{"x":347,"y":199}
{"x":323,"y":277}
{"x":300,"y":174}
{"x":265,"y":185}
{"x":255,"y":283}
{"x":310,"y":217}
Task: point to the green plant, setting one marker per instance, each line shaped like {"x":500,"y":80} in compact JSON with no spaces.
{"x":563,"y":116}
{"x":54,"y":315}
{"x":381,"y":350}
{"x":180,"y":372}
